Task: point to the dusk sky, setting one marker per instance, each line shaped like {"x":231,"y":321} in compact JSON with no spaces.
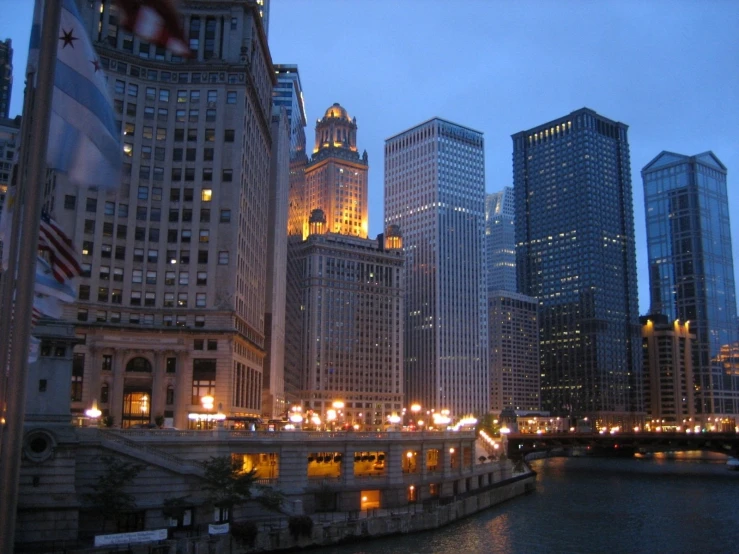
{"x":667,"y":69}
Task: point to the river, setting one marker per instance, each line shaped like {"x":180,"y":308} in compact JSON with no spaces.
{"x":684,"y":503}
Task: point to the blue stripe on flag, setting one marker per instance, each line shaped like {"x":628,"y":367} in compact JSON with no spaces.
{"x":84,"y":91}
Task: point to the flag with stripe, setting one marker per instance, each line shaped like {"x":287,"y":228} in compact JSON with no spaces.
{"x":84,"y":141}
{"x":63,"y":258}
{"x":156,"y":21}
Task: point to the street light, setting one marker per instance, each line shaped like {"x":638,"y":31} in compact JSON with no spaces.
{"x":93,"y":412}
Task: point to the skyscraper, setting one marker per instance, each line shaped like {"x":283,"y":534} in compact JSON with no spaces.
{"x":348,"y":309}
{"x":336,"y":177}
{"x":6,"y":76}
{"x":435,"y":193}
{"x":500,"y":239}
{"x":691,"y":268}
{"x":170,"y":310}
{"x":514,"y":352}
{"x":288,"y":92}
{"x":575,"y":252}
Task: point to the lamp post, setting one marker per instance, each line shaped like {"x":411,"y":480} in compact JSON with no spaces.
{"x":415,"y":409}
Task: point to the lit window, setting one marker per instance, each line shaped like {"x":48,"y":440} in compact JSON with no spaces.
{"x":206,"y":195}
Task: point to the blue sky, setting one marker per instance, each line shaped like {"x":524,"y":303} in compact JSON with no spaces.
{"x":667,"y":68}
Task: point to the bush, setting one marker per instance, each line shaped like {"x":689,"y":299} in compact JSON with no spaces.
{"x":245,"y":532}
{"x":300,"y":526}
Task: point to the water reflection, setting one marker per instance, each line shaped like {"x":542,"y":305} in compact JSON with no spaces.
{"x":681,"y":503}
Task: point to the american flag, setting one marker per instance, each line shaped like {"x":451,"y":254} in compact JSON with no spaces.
{"x":63,"y":258}
{"x":156,"y":21}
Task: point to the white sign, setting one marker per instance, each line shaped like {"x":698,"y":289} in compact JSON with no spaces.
{"x":217,"y":528}
{"x":128,"y":538}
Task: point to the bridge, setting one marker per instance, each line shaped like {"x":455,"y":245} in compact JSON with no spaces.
{"x":625,"y":444}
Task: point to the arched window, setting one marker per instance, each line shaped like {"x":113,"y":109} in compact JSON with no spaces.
{"x":140,"y":365}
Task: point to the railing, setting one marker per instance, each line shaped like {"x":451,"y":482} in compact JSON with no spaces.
{"x":294,"y":436}
{"x":116,"y":437}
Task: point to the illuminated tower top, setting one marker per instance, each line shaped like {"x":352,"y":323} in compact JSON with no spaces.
{"x":336,"y":177}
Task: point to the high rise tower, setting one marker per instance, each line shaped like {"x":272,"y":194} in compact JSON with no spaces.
{"x":336,"y":177}
{"x":691,"y":268}
{"x":575,"y":252}
{"x":6,"y":76}
{"x":345,"y":290}
{"x":435,"y":192}
{"x":500,"y":239}
{"x":171,"y":307}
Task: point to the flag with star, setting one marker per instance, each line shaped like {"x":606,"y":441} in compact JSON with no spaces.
{"x":155,"y":21}
{"x":84,"y":140}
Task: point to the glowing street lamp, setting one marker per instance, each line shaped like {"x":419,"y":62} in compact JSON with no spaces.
{"x":93,"y":412}
{"x":207,"y":401}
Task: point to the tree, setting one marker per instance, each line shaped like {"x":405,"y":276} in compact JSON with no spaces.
{"x":109,"y":496}
{"x":226,"y":483}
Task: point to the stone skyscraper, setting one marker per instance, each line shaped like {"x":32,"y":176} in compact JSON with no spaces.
{"x":575,"y":252}
{"x":691,"y":269}
{"x":435,"y":193}
{"x":348,"y":309}
{"x":171,"y":305}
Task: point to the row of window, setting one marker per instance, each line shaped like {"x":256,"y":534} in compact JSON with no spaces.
{"x":168,"y":320}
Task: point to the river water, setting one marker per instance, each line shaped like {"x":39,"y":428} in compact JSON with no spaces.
{"x":685,"y":503}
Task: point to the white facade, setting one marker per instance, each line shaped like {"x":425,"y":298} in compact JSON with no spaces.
{"x":435,"y":193}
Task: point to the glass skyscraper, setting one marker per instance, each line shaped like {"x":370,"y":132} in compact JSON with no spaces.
{"x":500,"y":237}
{"x":435,"y":193}
{"x":575,"y":252}
{"x":691,"y":268}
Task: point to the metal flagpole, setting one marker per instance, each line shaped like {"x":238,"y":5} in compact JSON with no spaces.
{"x":10,"y":455}
{"x":8,"y":286}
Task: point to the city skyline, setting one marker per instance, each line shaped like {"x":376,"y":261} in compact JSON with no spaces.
{"x":663,"y":80}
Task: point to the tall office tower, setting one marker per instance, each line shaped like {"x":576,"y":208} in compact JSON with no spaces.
{"x":500,"y":240}
{"x":668,"y":372}
{"x":514,"y":351}
{"x":171,"y":307}
{"x":435,"y":193}
{"x":347,"y":312}
{"x":691,"y":268}
{"x":336,"y":177}
{"x":6,"y":76}
{"x":273,"y":394}
{"x":352,"y":335}
{"x":288,"y":92}
{"x":575,"y":252}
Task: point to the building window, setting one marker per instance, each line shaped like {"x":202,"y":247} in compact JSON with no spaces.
{"x":225,"y":216}
{"x":171,"y":365}
{"x":203,"y":379}
{"x":200,"y":300}
{"x":78,"y":373}
{"x":228,"y":135}
{"x":104,"y":393}
{"x":231,"y":97}
{"x":170,"y":395}
{"x":202,"y":278}
{"x":70,"y":202}
{"x":223,"y":257}
{"x":83,"y":292}
{"x":199,"y":321}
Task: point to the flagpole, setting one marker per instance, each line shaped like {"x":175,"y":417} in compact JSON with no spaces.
{"x":8,"y":283}
{"x":10,"y":455}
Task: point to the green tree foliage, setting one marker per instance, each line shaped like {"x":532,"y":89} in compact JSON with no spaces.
{"x":226,"y":484}
{"x":109,"y":496}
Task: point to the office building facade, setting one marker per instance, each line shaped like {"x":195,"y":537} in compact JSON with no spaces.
{"x":435,"y":193}
{"x":500,"y":239}
{"x":691,"y":268}
{"x":171,"y":305}
{"x":6,"y":77}
{"x":345,"y":290}
{"x":514,"y":352}
{"x":575,"y":252}
{"x":288,"y":93}
{"x":669,"y":398}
